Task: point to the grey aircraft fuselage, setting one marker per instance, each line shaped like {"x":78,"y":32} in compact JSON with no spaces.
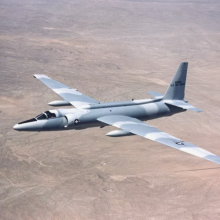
{"x":145,"y":109}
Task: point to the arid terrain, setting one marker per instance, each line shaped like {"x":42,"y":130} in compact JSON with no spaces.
{"x":111,"y":50}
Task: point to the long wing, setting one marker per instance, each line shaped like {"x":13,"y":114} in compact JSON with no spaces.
{"x":74,"y":97}
{"x":142,"y":129}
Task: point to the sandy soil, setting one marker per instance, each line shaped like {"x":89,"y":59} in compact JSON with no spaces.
{"x":111,"y":51}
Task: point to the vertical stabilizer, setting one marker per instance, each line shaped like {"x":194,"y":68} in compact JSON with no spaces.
{"x":176,"y":89}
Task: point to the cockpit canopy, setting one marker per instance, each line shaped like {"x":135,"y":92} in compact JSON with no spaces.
{"x":47,"y":115}
{"x":43,"y":116}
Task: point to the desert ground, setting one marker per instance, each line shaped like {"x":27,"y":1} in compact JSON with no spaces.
{"x":111,"y":50}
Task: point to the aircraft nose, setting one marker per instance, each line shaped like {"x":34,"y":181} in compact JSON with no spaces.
{"x":16,"y":127}
{"x":29,"y":125}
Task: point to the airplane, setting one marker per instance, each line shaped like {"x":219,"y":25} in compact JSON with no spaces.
{"x":128,"y":116}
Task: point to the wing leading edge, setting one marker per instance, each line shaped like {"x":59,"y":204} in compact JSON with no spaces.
{"x":142,"y":129}
{"x":74,"y":97}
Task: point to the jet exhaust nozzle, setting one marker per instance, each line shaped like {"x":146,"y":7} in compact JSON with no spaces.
{"x":119,"y":133}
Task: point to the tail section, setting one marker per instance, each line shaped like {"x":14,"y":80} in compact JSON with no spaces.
{"x":175,"y":93}
{"x":176,"y":90}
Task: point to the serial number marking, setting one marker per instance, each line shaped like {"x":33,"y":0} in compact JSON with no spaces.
{"x":177,"y":83}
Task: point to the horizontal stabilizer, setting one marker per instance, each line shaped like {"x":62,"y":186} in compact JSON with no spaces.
{"x":156,"y":94}
{"x":182,"y":104}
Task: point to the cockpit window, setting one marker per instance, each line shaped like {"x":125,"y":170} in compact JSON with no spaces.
{"x":46,"y":115}
{"x":41,"y":117}
{"x":31,"y":120}
{"x":50,"y":114}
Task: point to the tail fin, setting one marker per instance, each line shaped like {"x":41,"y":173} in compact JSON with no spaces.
{"x":176,"y":90}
